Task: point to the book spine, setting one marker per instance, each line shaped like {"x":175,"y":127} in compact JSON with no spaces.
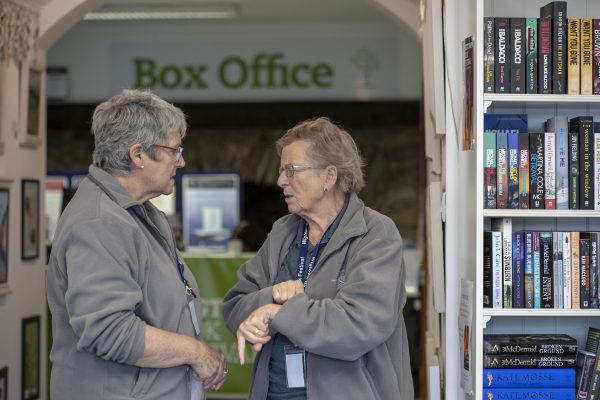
{"x":594,"y":390}
{"x":524,"y":170}
{"x":558,"y":270}
{"x":528,"y":269}
{"x":507,"y":281}
{"x":536,"y":171}
{"x":489,"y":140}
{"x":537,"y":271}
{"x":518,"y":272}
{"x":586,"y":56}
{"x":547,"y":270}
{"x":584,"y":268}
{"x":513,"y":170}
{"x":562,"y":167}
{"x":573,"y":170}
{"x":497,"y":269}
{"x":529,"y":361}
{"x":585,"y":367}
{"x":529,"y":378}
{"x":529,"y":393}
{"x":596,"y":59}
{"x":488,"y":55}
{"x":575,"y":271}
{"x":573,"y":70}
{"x":550,"y":170}
{"x":501,"y":55}
{"x":502,"y":169}
{"x":566,"y":251}
{"x":556,"y":11}
{"x":487,"y":269}
{"x":517,"y":52}
{"x":596,"y":169}
{"x":532,"y":55}
{"x":545,"y":57}
{"x":593,"y":257}
{"x":586,"y":183}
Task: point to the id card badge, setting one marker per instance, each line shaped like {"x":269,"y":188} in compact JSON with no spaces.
{"x":295,"y":361}
{"x":195,"y":307}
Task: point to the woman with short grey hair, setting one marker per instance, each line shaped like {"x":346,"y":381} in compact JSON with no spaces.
{"x":125,"y":312}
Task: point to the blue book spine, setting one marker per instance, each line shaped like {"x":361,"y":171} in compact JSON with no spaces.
{"x":530,"y":393}
{"x":528,"y":269}
{"x":537,"y":272}
{"x":518,"y":273}
{"x":529,"y":378}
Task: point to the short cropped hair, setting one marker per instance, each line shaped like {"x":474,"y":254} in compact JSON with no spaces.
{"x":128,"y":118}
{"x":329,"y":145}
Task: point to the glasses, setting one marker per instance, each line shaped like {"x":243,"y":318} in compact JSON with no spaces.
{"x":291,"y":169}
{"x":177,"y":150}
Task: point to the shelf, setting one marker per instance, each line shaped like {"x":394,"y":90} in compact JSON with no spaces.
{"x":541,"y":213}
{"x":539,"y":98}
{"x":546,"y":312}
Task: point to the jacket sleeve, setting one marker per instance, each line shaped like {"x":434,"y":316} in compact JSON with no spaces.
{"x":251,"y":291}
{"x":365,"y":310}
{"x":103,"y":259}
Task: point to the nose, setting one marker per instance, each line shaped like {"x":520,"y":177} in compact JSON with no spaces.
{"x":282,"y":180}
{"x":181,"y":162}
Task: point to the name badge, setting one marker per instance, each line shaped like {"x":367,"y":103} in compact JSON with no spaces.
{"x":295,"y":366}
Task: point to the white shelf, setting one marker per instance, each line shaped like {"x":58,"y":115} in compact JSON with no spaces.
{"x":546,"y":312}
{"x":539,"y":98}
{"x":499,"y":213}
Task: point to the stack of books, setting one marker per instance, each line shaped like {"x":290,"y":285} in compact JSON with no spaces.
{"x":538,"y":366}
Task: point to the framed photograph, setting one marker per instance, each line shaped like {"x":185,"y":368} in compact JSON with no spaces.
{"x":4,"y":200}
{"x":34,"y":102}
{"x":4,"y":383}
{"x":32,"y":112}
{"x":30,"y":358}
{"x":30,"y":220}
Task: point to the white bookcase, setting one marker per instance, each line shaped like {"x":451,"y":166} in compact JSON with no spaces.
{"x":539,"y":108}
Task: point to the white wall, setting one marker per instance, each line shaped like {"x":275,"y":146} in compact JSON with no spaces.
{"x":87,"y":50}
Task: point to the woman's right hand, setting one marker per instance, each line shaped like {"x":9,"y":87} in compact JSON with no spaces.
{"x":284,"y":291}
{"x":209,"y":366}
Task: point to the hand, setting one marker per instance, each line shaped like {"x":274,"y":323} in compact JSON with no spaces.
{"x":209,"y":366}
{"x":284,"y":291}
{"x":255,"y":329}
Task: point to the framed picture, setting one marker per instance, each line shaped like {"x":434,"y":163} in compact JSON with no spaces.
{"x":30,"y":220}
{"x":30,"y":358}
{"x":33,"y":102}
{"x":4,"y":383}
{"x":4,"y":200}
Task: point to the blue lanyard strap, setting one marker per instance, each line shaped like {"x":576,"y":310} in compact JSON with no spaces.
{"x":302,"y":274}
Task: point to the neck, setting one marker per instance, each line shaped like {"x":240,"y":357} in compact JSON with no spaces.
{"x":319,"y":221}
{"x":130,"y":183}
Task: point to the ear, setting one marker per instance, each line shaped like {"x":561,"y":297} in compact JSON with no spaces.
{"x":331,"y":175}
{"x":136,"y":153}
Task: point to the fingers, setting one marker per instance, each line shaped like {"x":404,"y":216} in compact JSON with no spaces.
{"x":284,"y":291}
{"x":241,"y":342}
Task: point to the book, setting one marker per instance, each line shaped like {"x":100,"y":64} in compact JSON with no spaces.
{"x":545,"y":56}
{"x":573,"y":70}
{"x":586,"y":361}
{"x":596,"y":56}
{"x":573,"y":170}
{"x":517,"y":55}
{"x":504,"y":225}
{"x":575,"y":271}
{"x":501,"y":55}
{"x":488,"y":55}
{"x":529,"y":344}
{"x":537,"y":271}
{"x":592,"y":344}
{"x":584,"y":127}
{"x":487,"y":269}
{"x":529,"y":361}
{"x":513,"y":169}
{"x":586,"y":56}
{"x":560,"y":126}
{"x":596,"y":166}
{"x":556,"y":12}
{"x":547,"y":270}
{"x":529,"y":393}
{"x":558,"y":277}
{"x":518,"y":275}
{"x":550,"y":171}
{"x":536,"y":171}
{"x":524,"y":170}
{"x":497,"y":274}
{"x":594,"y":273}
{"x":531,"y":55}
{"x":566,"y":259}
{"x":584,"y":269}
{"x":528,"y":278}
{"x":489,"y":144}
{"x":529,"y":378}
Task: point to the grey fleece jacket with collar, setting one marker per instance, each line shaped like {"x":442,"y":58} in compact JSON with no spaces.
{"x":349,"y":320}
{"x":113,"y":270}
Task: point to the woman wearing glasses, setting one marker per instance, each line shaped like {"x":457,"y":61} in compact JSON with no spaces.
{"x":322,"y":300}
{"x":125,"y":316}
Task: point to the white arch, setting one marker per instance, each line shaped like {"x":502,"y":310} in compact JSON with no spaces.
{"x":58,"y":16}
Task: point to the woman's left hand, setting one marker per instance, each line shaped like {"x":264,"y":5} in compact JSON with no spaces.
{"x":255,"y":329}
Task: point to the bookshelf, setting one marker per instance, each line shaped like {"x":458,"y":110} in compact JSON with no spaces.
{"x":538,"y":107}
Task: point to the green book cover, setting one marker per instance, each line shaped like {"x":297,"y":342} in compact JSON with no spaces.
{"x":531,"y":81}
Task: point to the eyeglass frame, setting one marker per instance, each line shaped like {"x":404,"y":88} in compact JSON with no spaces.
{"x":291,"y":169}
{"x":178,"y":150}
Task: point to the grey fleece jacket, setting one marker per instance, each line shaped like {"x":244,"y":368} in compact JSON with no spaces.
{"x":349,"y":319}
{"x":113,"y":270}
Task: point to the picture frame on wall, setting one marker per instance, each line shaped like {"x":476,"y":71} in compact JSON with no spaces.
{"x":30,"y":219}
{"x":4,"y":383}
{"x":30,"y":358}
{"x":34,"y":92}
{"x":4,"y":217}
{"x":31,"y":104}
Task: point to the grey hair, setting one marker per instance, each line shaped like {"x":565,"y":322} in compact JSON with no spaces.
{"x":329,"y":145}
{"x":128,"y":118}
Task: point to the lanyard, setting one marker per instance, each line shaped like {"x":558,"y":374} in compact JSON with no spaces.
{"x":302,"y":275}
{"x":188,"y":289}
